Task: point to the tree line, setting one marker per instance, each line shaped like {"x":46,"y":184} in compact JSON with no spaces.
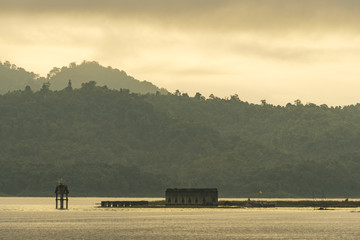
{"x":107,"y":142}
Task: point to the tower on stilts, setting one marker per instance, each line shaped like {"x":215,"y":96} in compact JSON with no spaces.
{"x":62,"y":194}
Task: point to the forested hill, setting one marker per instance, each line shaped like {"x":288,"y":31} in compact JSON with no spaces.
{"x":16,"y":78}
{"x":307,"y":130}
{"x":104,"y":76}
{"x":115,"y":143}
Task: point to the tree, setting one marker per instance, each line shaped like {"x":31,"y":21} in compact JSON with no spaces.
{"x":198,"y":96}
{"x":28,"y":89}
{"x":235,"y":98}
{"x":88,"y":85}
{"x":53,"y":72}
{"x":69,"y":87}
{"x":45,"y":87}
{"x":298,"y":103}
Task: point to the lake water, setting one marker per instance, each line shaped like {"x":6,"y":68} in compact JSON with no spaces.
{"x":36,"y":218}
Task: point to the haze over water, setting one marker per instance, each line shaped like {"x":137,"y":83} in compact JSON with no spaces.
{"x":36,"y":218}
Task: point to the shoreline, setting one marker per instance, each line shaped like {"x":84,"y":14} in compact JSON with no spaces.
{"x":320,"y":204}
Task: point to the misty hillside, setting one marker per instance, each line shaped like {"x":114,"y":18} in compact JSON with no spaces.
{"x":104,"y":76}
{"x":308,"y":130}
{"x":107,"y":142}
{"x":15,"y":78}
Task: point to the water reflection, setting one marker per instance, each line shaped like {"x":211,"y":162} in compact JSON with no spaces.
{"x":36,"y":218}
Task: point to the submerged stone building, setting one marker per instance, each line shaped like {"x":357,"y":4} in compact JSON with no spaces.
{"x":191,"y":196}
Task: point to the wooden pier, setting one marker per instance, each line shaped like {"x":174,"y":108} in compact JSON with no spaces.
{"x":119,"y":204}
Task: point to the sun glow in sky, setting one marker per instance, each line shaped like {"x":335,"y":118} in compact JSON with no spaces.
{"x":278,"y":50}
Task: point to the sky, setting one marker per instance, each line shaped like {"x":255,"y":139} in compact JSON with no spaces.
{"x":277,"y":50}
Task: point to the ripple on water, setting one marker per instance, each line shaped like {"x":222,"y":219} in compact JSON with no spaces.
{"x":36,"y":218}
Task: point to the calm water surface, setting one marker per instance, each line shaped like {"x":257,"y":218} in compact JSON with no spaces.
{"x":36,"y":218}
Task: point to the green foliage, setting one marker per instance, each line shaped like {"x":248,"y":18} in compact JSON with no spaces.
{"x":302,"y":150}
{"x":104,"y":76}
{"x":106,"y":142}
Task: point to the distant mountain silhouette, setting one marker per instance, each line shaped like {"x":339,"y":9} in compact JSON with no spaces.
{"x":93,"y":71}
{"x":15,"y":78}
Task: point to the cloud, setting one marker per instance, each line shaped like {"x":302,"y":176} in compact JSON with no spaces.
{"x":225,"y":15}
{"x":279,"y":50}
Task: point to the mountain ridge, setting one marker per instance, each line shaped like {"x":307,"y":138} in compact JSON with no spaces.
{"x":106,"y":142}
{"x":14,"y":78}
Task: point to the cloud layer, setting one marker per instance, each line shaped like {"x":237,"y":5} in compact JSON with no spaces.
{"x":281,"y":15}
{"x":278,"y":50}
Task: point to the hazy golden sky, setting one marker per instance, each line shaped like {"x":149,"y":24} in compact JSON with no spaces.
{"x":278,"y":50}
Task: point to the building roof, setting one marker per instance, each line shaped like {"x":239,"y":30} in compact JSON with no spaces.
{"x":191,"y":190}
